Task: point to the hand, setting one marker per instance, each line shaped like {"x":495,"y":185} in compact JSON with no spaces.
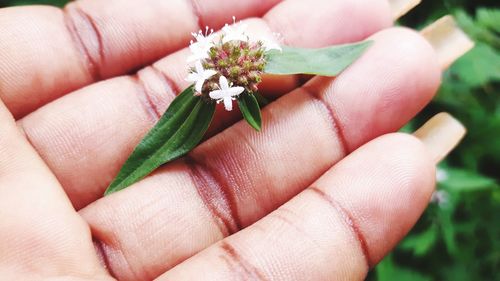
{"x":286,"y":203}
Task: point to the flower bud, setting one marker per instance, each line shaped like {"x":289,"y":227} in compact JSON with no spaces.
{"x":242,"y":63}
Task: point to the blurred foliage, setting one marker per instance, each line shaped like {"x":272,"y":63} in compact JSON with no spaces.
{"x":458,"y":237}
{"x":5,"y":3}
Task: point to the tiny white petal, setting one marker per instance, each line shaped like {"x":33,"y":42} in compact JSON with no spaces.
{"x":235,"y":32}
{"x":199,"y":85}
{"x":201,"y":48}
{"x":192,"y":77}
{"x":203,"y":40}
{"x":199,"y":67}
{"x":226,"y":93}
{"x":223,"y":83}
{"x":235,"y":91}
{"x":228,"y":103}
{"x":200,"y":76}
{"x":271,"y":45}
{"x":216,"y":95}
{"x":209,"y":73}
{"x":198,"y":52}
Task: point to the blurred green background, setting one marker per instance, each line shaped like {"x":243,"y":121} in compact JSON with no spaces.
{"x":458,"y":238}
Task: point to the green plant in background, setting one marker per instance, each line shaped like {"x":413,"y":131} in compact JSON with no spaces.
{"x":5,"y":3}
{"x":458,"y":237}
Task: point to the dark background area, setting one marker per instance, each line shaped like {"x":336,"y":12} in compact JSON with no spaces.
{"x":458,"y":237}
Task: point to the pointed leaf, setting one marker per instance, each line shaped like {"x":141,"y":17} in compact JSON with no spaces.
{"x":325,"y":62}
{"x":179,"y":130}
{"x":250,"y":109}
{"x":261,"y":99}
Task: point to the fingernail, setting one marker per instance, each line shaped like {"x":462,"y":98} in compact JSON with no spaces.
{"x":449,"y":41}
{"x":440,"y":135}
{"x":399,"y":8}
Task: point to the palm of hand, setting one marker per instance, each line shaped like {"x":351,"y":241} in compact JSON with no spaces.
{"x":339,"y":215}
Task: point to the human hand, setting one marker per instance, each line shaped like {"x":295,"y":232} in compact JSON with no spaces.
{"x":339,"y":214}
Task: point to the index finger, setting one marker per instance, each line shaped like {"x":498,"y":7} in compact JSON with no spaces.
{"x":48,"y":52}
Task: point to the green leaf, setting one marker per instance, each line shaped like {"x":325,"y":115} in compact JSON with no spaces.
{"x":325,"y":62}
{"x":179,"y":130}
{"x":460,"y":180}
{"x":448,"y":231}
{"x":478,"y":67}
{"x":388,"y":270}
{"x":481,"y":29}
{"x":261,"y":99}
{"x":250,"y":108}
{"x":489,"y":18}
{"x":421,"y":243}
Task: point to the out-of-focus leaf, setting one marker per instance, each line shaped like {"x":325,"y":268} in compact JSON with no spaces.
{"x":489,"y":18}
{"x":459,"y":180}
{"x":448,"y":230}
{"x":467,"y":245}
{"x":477,"y":30}
{"x":387,"y":271}
{"x":5,"y":3}
{"x":420,"y":244}
{"x":480,"y":66}
{"x":458,"y":272}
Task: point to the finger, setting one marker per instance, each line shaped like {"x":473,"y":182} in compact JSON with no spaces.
{"x":336,"y":229}
{"x":40,"y":232}
{"x":240,"y":175}
{"x":123,"y":109}
{"x":48,"y":52}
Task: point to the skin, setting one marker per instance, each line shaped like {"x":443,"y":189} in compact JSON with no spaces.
{"x":322,"y":193}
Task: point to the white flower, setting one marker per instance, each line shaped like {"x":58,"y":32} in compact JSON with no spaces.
{"x":198,"y":53}
{"x":204,"y":39}
{"x":269,"y":44}
{"x":202,"y":46}
{"x":441,"y":198}
{"x":226,"y":93}
{"x":441,"y":175}
{"x":200,"y":76}
{"x":235,"y":32}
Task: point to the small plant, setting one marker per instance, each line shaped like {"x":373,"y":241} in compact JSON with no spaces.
{"x":227,"y":67}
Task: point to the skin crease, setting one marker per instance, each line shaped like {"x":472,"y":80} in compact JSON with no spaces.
{"x":333,"y":218}
{"x":334,"y":221}
{"x":238,"y":198}
{"x":120,"y":107}
{"x":64,"y":50}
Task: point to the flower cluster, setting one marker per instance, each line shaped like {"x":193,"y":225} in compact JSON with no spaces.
{"x":228,"y":65}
